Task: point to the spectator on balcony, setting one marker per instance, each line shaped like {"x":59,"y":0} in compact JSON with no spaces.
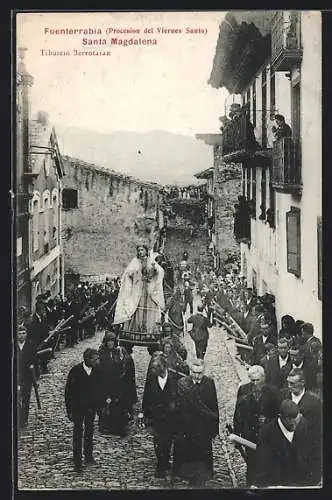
{"x":281,"y":129}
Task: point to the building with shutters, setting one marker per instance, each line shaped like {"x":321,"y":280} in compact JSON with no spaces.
{"x":39,"y":171}
{"x":271,"y":62}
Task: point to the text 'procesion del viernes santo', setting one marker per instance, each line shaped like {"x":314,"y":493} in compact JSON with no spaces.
{"x":122,"y":36}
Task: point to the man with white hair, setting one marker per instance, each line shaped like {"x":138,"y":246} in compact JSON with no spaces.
{"x":257,"y":404}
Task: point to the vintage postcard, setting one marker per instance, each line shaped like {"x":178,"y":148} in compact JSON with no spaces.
{"x":168,"y":238}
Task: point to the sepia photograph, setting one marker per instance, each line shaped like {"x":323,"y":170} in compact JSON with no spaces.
{"x":167,"y":197}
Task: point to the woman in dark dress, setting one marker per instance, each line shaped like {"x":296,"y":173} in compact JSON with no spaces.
{"x":175,"y":310}
{"x":118,"y":392}
{"x":288,"y":330}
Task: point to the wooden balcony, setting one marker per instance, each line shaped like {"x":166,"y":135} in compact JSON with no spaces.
{"x":286,"y":40}
{"x":286,"y":165}
{"x":240,"y":143}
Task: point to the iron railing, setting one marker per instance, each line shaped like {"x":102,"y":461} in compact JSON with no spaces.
{"x":286,"y":164}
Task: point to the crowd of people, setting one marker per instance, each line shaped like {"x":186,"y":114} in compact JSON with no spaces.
{"x":59,"y":322}
{"x":277,"y":417}
{"x":279,"y":412}
{"x":189,"y":192}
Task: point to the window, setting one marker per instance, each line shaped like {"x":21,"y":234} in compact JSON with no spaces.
{"x":296,"y":110}
{"x":264,"y":137}
{"x":272,"y":91}
{"x":254,"y":104}
{"x":271,"y":213}
{"x":293,"y":235}
{"x":248,"y":183}
{"x":248,"y":103}
{"x":35,"y":225}
{"x":253,"y":191}
{"x":87,"y":181}
{"x":320,"y":256}
{"x":263,"y":192}
{"x":69,"y":199}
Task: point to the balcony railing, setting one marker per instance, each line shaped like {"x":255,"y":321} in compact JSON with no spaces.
{"x":242,"y":140}
{"x":286,"y":40}
{"x":286,"y":165}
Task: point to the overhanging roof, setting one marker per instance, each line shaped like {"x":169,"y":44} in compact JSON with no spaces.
{"x":204,"y":174}
{"x":242,"y":47}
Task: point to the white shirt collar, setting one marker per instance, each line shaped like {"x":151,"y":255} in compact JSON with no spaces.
{"x":288,"y":434}
{"x":296,"y":399}
{"x":299,"y":366}
{"x":283,"y":361}
{"x":88,"y":369}
{"x":21,"y":345}
{"x":162,"y":381}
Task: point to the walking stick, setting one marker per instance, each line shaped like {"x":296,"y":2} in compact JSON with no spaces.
{"x":35,"y":386}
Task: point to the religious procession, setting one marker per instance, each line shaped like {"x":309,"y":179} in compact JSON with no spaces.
{"x":162,"y":308}
{"x":168,"y":285}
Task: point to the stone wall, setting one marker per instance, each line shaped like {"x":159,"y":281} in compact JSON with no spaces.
{"x":228,"y":186}
{"x":114,"y":212}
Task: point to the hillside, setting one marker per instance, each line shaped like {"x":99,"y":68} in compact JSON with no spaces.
{"x":157,"y":156}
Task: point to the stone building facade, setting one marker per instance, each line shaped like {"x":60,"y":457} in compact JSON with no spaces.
{"x":105,"y":214}
{"x":268,"y":65}
{"x":223,"y":188}
{"x":39,"y":171}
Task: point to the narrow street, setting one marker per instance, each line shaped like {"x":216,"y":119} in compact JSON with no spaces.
{"x":45,"y":446}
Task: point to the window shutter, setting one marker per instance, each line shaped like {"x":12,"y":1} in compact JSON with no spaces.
{"x":320,"y":256}
{"x":293,"y":231}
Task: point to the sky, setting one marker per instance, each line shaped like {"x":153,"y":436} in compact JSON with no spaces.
{"x":136,"y":88}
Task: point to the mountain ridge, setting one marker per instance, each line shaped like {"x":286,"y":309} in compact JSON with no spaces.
{"x":157,"y":156}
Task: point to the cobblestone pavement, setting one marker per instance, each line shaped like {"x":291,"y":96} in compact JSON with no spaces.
{"x":45,"y":446}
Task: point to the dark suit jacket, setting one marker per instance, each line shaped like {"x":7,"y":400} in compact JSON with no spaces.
{"x":26,"y":358}
{"x":160,"y":405}
{"x":198,"y":407}
{"x":37,"y":330}
{"x":259,"y":346}
{"x":248,"y":410}
{"x":310,"y":407}
{"x":83,"y":391}
{"x":275,"y":375}
{"x":281,"y":463}
{"x":200,"y":327}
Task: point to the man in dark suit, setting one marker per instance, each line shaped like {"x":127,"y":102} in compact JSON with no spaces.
{"x":309,"y":342}
{"x":278,"y":368}
{"x":309,"y":403}
{"x":310,"y":368}
{"x":37,"y":329}
{"x":188,"y":297}
{"x":257,"y":403}
{"x":199,"y":332}
{"x":83,"y":398}
{"x":283,"y":455}
{"x":26,"y":363}
{"x":267,"y":334}
{"x":310,"y":407}
{"x":159,"y":406}
{"x":198,"y":425}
